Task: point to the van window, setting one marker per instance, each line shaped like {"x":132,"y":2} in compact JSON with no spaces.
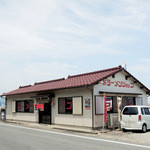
{"x":142,"y":111}
{"x":130,"y":111}
{"x":147,"y":111}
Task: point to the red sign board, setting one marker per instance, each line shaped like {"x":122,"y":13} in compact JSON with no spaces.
{"x":39,"y":107}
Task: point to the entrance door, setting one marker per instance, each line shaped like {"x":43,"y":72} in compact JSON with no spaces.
{"x":45,"y":116}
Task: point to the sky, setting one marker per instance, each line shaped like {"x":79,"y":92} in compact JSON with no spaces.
{"x":50,"y":39}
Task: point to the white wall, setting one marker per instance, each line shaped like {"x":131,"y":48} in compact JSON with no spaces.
{"x":98,"y":119}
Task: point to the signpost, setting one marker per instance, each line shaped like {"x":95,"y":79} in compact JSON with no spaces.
{"x":105,"y":116}
{"x":105,"y":110}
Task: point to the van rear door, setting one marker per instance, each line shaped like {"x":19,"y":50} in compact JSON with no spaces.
{"x":130,"y":116}
{"x":147,"y":116}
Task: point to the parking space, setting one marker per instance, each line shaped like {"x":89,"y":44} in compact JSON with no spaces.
{"x":136,"y":137}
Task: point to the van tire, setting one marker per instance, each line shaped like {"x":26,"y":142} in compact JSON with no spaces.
{"x":144,"y":128}
{"x":124,"y":130}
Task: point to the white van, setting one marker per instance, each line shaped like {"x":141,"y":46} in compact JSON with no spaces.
{"x":135,"y":118}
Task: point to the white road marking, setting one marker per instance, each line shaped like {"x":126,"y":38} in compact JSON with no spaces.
{"x":79,"y":136}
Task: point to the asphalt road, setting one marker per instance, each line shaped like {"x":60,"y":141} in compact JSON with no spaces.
{"x":14,"y":137}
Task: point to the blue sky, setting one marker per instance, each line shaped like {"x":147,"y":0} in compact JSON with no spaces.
{"x":44,"y":40}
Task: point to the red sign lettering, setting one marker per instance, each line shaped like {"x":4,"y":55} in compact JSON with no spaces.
{"x":19,"y":106}
{"x":39,"y":107}
{"x":123,"y":84}
{"x":27,"y":106}
{"x":69,"y":103}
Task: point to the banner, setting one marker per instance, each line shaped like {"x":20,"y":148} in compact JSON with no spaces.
{"x":39,"y":107}
{"x":105,"y":110}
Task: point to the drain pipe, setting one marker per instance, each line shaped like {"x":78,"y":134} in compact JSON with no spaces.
{"x":92,"y":111}
{"x":92,"y":105}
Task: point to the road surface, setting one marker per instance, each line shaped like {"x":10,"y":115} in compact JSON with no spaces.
{"x":14,"y":137}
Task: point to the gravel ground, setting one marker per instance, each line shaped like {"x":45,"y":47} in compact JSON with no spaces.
{"x":136,"y":137}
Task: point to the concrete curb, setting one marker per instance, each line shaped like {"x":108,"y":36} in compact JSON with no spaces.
{"x":53,"y":127}
{"x":73,"y":130}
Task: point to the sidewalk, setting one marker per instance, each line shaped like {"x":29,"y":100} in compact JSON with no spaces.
{"x":55,"y":127}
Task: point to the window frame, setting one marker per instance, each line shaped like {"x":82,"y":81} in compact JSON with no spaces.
{"x":24,"y":102}
{"x":80,"y":114}
{"x":97,"y":106}
{"x":126,"y":100}
{"x":114,"y":99}
{"x":65,"y":98}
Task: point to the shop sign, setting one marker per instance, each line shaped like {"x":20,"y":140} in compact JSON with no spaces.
{"x":39,"y":107}
{"x":87,"y":104}
{"x":123,"y":84}
{"x":109,"y":103}
{"x":105,"y":110}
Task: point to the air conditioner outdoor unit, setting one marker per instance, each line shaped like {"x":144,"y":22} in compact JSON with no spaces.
{"x":113,"y":120}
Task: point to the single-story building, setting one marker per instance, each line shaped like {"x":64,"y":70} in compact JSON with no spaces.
{"x":77,"y":100}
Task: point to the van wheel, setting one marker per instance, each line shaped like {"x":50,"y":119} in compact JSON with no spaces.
{"x":144,"y":128}
{"x":124,"y":130}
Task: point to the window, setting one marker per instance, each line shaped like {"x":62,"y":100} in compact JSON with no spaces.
{"x":112,"y":106}
{"x":13,"y":106}
{"x":115,"y":105}
{"x":109,"y":104}
{"x":99,"y":105}
{"x":126,"y":101}
{"x":147,"y":111}
{"x":68,"y":105}
{"x":65,"y":105}
{"x":77,"y":105}
{"x":20,"y":106}
{"x":130,"y":111}
{"x":61,"y":106}
{"x":25,"y":106}
{"x":139,"y":101}
{"x":142,"y":111}
{"x":29,"y":106}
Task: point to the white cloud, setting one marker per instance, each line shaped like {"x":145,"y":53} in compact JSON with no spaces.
{"x":26,"y":30}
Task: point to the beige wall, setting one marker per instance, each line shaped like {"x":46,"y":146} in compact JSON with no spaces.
{"x":20,"y":116}
{"x":98,"y":119}
{"x":70,"y":119}
{"x":64,"y":119}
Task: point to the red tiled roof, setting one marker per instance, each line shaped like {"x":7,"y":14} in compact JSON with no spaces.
{"x":79,"y":80}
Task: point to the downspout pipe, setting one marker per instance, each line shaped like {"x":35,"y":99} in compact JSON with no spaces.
{"x":92,"y":111}
{"x":92,"y":106}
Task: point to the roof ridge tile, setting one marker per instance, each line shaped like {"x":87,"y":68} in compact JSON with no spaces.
{"x":55,"y":80}
{"x":24,"y":86}
{"x":93,"y":72}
